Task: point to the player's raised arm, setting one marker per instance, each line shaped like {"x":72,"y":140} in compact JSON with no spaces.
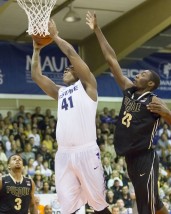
{"x":0,"y":183}
{"x":33,"y":207}
{"x":81,"y":69}
{"x":47,"y":85}
{"x":108,"y":53}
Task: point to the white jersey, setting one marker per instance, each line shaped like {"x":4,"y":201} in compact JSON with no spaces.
{"x":76,"y":116}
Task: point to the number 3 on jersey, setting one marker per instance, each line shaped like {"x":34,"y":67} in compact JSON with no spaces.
{"x":126,"y":120}
{"x":67,"y":103}
{"x":18,"y":203}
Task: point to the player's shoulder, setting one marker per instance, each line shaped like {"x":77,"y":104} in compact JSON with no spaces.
{"x":27,"y":178}
{"x":5,"y":177}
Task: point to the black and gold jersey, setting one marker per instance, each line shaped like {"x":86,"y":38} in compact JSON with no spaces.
{"x":136,"y":125}
{"x":15,"y":197}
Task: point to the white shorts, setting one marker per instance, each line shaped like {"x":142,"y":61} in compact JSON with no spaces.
{"x":79,"y":178}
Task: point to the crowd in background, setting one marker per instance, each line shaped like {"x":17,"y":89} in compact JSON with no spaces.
{"x":33,"y":136}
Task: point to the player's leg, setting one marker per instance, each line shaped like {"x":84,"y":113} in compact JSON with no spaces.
{"x":90,"y":173}
{"x":143,"y":172}
{"x":69,"y":191}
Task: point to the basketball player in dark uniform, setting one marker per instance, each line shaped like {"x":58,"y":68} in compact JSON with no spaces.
{"x":136,"y":126}
{"x":16,"y":191}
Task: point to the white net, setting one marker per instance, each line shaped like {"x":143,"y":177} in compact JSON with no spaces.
{"x":38,"y":13}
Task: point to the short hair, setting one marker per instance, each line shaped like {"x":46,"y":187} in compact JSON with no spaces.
{"x":155,"y":78}
{"x":9,"y":159}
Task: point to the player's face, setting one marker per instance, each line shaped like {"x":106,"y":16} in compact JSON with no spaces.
{"x":68,"y":76}
{"x":142,"y":79}
{"x":16,"y":162}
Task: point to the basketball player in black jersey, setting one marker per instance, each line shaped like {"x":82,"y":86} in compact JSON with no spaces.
{"x":136,"y":126}
{"x":16,"y":191}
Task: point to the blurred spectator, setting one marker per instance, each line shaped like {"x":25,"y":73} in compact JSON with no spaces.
{"x":38,"y":114}
{"x":34,"y":122}
{"x":13,"y":149}
{"x":35,"y":136}
{"x":15,"y":128}
{"x":20,"y":136}
{"x":114,"y":176}
{"x":117,"y":189}
{"x":30,"y":167}
{"x":46,"y":188}
{"x":48,"y":142}
{"x":110,"y":197}
{"x":44,"y":152}
{"x":38,"y":180}
{"x":21,"y":112}
{"x":51,"y":160}
{"x":20,"y":121}
{"x":8,"y":123}
{"x":105,"y":128}
{"x":43,"y":124}
{"x":109,"y":146}
{"x":100,"y":138}
{"x":9,"y":142}
{"x":121,"y":205}
{"x":133,"y":198}
{"x":125,"y":195}
{"x":27,"y":154}
{"x":105,"y":115}
{"x":38,"y":161}
{"x":52,"y":183}
{"x":48,"y":113}
{"x":3,"y":157}
{"x":45,"y":170}
{"x":3,"y":169}
{"x":52,"y":128}
{"x":9,"y":116}
{"x":102,"y":150}
{"x":28,"y":130}
{"x":115,"y":209}
{"x":107,"y":168}
{"x":28,"y":119}
{"x":165,"y":129}
{"x":5,"y":136}
{"x":40,"y":207}
{"x":47,"y":209}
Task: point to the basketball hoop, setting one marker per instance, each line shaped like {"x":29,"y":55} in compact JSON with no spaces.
{"x":38,"y":13}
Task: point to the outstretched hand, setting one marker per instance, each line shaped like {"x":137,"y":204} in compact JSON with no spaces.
{"x":52,"y":28}
{"x":91,"y":20}
{"x":158,"y":107}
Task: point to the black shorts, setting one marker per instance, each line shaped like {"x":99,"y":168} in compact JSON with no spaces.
{"x":143,"y":171}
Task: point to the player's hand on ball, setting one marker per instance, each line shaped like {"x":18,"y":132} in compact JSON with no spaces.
{"x":37,"y":46}
{"x":52,"y":29}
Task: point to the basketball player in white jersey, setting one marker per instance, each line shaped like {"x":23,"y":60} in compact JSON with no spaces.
{"x":78,"y":168}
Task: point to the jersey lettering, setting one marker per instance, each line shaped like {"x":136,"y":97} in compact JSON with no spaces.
{"x":126,"y":120}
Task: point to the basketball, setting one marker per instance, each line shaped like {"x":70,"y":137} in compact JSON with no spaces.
{"x":42,"y":40}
